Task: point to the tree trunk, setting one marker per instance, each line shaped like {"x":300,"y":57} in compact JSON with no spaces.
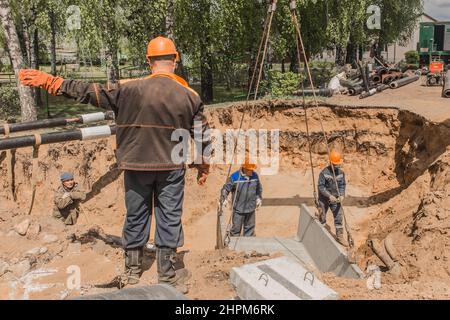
{"x":52,"y":18}
{"x":207,"y":80}
{"x":112,"y":63}
{"x":294,"y":66}
{"x":351,"y":55}
{"x":170,"y":6}
{"x":35,"y":64}
{"x":28,"y":108}
{"x":206,"y":58}
{"x":340,"y":56}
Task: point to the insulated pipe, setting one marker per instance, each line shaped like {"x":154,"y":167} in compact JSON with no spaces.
{"x":355,"y":90}
{"x":404,"y":82}
{"x":374,"y":91}
{"x":376,"y":78}
{"x":57,"y":122}
{"x":319,"y":92}
{"x":382,"y":87}
{"x":446,"y":90}
{"x":56,"y":137}
{"x":390,"y":249}
{"x":368,"y":94}
{"x":387,"y":79}
{"x":381,"y":253}
{"x":349,"y":84}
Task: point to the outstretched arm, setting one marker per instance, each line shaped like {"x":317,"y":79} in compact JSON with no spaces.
{"x":102,"y":96}
{"x":62,"y":200}
{"x":322,"y":186}
{"x":227,"y":188}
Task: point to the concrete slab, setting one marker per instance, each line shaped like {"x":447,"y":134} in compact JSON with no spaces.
{"x":288,"y":247}
{"x":327,"y":254}
{"x":279,"y":279}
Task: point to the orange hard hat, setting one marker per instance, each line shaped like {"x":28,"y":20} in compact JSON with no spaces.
{"x":248,"y":165}
{"x":335,"y":157}
{"x":161,"y":46}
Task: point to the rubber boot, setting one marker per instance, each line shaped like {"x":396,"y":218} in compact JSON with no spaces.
{"x":165,"y":258}
{"x":340,"y":236}
{"x":133,"y":266}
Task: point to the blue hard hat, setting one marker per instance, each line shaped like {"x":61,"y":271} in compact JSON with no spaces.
{"x":66,"y":176}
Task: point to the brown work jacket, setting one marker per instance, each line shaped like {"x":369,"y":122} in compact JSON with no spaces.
{"x":147,"y":111}
{"x":67,"y":203}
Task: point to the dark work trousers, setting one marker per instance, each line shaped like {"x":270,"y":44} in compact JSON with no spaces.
{"x":165,"y":191}
{"x":244,"y":221}
{"x":336,"y":208}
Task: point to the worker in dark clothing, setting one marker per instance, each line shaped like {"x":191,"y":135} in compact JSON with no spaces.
{"x":246,"y":190}
{"x":148,"y":111}
{"x":67,"y":200}
{"x":329,"y":196}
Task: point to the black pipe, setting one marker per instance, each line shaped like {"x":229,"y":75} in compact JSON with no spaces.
{"x":382,"y":87}
{"x":361,"y":70}
{"x":47,"y":138}
{"x":446,"y":90}
{"x":355,"y":90}
{"x":47,"y":123}
{"x":404,"y":82}
{"x":319,"y":92}
{"x":374,"y":91}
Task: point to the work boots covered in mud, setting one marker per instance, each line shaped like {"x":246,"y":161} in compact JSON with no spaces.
{"x":166,"y":258}
{"x":340,"y":236}
{"x":133,"y":267}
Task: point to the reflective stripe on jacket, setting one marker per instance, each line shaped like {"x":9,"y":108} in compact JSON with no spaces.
{"x":327,"y":185}
{"x":249,"y":190}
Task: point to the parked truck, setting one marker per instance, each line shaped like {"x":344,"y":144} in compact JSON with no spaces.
{"x":434,"y":42}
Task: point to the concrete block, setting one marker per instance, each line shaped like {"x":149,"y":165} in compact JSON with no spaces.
{"x":279,"y":279}
{"x":288,"y":247}
{"x":327,"y":254}
{"x":153,"y":292}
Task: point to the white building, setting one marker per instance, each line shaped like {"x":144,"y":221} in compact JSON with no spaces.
{"x":396,"y":52}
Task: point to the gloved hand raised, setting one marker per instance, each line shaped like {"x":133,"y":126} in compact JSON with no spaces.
{"x":258,"y":203}
{"x":225,"y":203}
{"x":78,"y":195}
{"x":333,"y":199}
{"x":36,"y":78}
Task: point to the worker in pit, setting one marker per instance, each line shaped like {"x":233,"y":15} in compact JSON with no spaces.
{"x":246,"y":196}
{"x":332,"y":193}
{"x":67,"y":200}
{"x":148,"y":111}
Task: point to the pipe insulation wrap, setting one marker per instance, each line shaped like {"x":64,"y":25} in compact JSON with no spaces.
{"x":446,"y":90}
{"x":93,"y":117}
{"x":95,"y":132}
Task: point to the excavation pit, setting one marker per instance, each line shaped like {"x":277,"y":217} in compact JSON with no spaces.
{"x":397,"y":166}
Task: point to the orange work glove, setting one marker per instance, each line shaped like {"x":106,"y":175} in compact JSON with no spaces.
{"x":202,"y":172}
{"x":36,"y":78}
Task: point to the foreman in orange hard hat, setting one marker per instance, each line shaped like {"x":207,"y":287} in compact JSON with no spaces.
{"x":247,"y":165}
{"x":160,"y":46}
{"x":336,"y":158}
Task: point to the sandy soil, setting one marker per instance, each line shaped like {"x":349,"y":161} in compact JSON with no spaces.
{"x":397,"y":168}
{"x":416,"y":97}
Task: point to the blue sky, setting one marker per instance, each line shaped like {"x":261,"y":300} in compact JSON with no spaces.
{"x":439,"y":9}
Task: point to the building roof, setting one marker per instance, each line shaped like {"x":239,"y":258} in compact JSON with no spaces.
{"x":429,"y":17}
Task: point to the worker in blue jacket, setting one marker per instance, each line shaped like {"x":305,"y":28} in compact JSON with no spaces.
{"x":246,"y":190}
{"x":331,"y":197}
